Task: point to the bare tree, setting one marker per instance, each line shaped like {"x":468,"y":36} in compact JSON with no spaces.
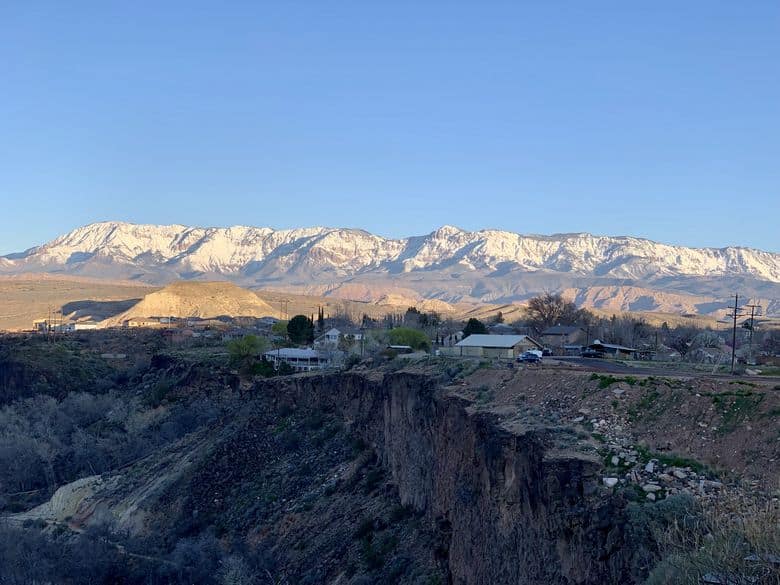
{"x":551,"y":309}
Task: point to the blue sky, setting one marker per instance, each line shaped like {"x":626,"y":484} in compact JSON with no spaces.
{"x":653,"y":119}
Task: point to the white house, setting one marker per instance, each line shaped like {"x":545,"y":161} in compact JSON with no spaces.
{"x":330,"y":339}
{"x":301,"y":360}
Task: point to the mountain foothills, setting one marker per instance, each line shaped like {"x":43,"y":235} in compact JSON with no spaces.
{"x":198,"y":299}
{"x":448,"y":264}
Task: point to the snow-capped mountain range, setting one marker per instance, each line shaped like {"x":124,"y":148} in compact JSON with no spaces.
{"x":449,"y":263}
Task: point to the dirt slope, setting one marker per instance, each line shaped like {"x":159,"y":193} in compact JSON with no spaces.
{"x":199,"y":299}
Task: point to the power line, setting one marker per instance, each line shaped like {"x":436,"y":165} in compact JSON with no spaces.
{"x":755,"y":311}
{"x":284,"y":309}
{"x":736,"y":312}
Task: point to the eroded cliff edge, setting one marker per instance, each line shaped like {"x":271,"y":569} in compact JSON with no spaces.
{"x":441,"y":488}
{"x":518,"y":501}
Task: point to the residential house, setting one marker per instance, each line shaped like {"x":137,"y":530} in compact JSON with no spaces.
{"x":59,"y":326}
{"x":55,"y":325}
{"x":331,"y":338}
{"x":559,"y":336}
{"x":495,"y":346}
{"x":301,"y":360}
{"x":133,"y":322}
{"x":613,"y":350}
{"x":502,"y":329}
{"x":452,"y":339}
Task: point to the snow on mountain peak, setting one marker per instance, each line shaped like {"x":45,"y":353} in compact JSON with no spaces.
{"x":240,"y":250}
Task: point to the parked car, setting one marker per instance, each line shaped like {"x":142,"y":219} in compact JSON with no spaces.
{"x":529,"y":357}
{"x":547,"y":352}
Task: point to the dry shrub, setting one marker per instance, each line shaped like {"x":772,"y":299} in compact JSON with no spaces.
{"x":734,"y":540}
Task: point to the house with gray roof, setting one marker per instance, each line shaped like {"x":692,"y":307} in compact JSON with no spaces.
{"x":496,"y":346}
{"x":559,"y":336}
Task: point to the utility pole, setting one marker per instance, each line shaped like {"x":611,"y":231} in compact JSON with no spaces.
{"x":755,"y":311}
{"x":283,"y":309}
{"x":736,"y":313}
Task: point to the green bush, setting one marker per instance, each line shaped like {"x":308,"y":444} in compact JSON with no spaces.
{"x":412,"y":337}
{"x":246,"y":348}
{"x":285,"y":369}
{"x":263,"y":368}
{"x":351,"y":361}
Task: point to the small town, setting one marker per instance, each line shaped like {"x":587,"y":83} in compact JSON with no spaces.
{"x":390,"y":293}
{"x":305,"y":343}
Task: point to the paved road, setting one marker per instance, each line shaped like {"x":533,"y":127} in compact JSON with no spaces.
{"x":613,"y":367}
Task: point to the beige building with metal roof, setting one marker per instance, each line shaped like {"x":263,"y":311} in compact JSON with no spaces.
{"x":496,"y":346}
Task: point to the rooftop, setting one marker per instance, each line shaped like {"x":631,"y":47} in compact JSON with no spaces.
{"x":596,"y":343}
{"x":504,"y":341}
{"x":561,"y":330}
{"x":293,"y":353}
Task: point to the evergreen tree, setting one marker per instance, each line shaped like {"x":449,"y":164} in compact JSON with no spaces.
{"x":474,"y":326}
{"x":300,"y":329}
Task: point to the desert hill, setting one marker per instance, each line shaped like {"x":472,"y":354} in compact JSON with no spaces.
{"x":198,"y":299}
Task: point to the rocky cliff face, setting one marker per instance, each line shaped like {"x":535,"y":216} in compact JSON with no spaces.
{"x":512,"y":507}
{"x":484,"y":496}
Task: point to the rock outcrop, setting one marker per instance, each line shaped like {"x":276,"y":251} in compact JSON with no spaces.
{"x":513,"y":508}
{"x":507,"y":501}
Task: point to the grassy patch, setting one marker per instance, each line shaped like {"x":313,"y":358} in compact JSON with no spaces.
{"x":484,"y":394}
{"x":604,"y":380}
{"x":695,"y":540}
{"x":672,"y":460}
{"x":646,"y":405}
{"x":743,"y":383}
{"x":736,"y":408}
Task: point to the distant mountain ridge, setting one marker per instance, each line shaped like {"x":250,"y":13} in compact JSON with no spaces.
{"x":449,"y":264}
